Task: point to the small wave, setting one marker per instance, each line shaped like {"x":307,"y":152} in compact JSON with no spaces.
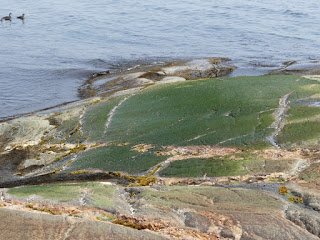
{"x":98,"y":63}
{"x":295,"y":13}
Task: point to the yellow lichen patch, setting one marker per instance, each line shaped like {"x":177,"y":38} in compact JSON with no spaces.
{"x":123,"y":144}
{"x":75,"y":130}
{"x":142,"y":147}
{"x":154,"y":170}
{"x":44,"y":208}
{"x":283,"y":190}
{"x":159,"y":153}
{"x":78,"y":149}
{"x":128,"y":223}
{"x":81,"y":172}
{"x":95,"y":102}
{"x":75,"y":150}
{"x":297,"y":200}
{"x":202,"y":151}
{"x":13,"y":128}
{"x":147,"y":180}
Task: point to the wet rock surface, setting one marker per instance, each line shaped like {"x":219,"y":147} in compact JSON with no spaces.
{"x":298,"y":68}
{"x":106,"y":83}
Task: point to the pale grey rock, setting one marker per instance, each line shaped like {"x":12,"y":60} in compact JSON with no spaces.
{"x":166,"y":80}
{"x":132,"y":76}
{"x":27,"y":225}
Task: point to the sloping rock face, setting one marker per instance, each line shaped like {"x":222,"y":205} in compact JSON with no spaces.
{"x":174,"y":212}
{"x":26,"y":225}
{"x":226,"y":213}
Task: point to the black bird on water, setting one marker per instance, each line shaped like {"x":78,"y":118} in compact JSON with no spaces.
{"x":21,"y":17}
{"x":7,"y":18}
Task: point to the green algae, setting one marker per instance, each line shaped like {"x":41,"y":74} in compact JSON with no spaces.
{"x":65,"y":192}
{"x":95,"y":118}
{"x":116,"y":158}
{"x":222,"y":111}
{"x":100,"y":195}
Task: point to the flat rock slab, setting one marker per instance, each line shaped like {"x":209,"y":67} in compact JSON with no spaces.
{"x":27,"y":225}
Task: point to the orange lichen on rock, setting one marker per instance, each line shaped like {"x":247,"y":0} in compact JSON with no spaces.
{"x":283,"y":190}
{"x":297,"y":200}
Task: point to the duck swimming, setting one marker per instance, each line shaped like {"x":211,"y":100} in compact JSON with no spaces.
{"x":21,"y":17}
{"x":7,"y":18}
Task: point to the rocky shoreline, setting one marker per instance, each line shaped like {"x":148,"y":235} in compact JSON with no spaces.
{"x":252,"y":191}
{"x":108,"y":82}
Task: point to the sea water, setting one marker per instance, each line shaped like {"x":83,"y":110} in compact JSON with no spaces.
{"x":46,"y":57}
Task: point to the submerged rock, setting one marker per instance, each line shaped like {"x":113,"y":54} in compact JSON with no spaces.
{"x":298,"y":68}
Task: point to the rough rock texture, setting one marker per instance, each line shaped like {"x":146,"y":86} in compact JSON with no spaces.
{"x":198,"y":68}
{"x":298,"y":68}
{"x":306,"y":219}
{"x":233,"y":213}
{"x":25,"y":225}
{"x":107,"y":83}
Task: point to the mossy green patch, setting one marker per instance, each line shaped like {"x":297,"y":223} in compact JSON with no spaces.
{"x":303,"y":121}
{"x":212,"y":111}
{"x":66,"y":192}
{"x":95,"y":118}
{"x":226,"y":166}
{"x":266,"y":119}
{"x":116,"y":158}
{"x":100,"y":195}
{"x":305,"y":91}
{"x":298,"y":112}
{"x":208,"y":167}
{"x":299,"y":132}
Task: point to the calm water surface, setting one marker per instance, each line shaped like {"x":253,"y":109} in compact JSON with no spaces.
{"x":44,"y":59}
